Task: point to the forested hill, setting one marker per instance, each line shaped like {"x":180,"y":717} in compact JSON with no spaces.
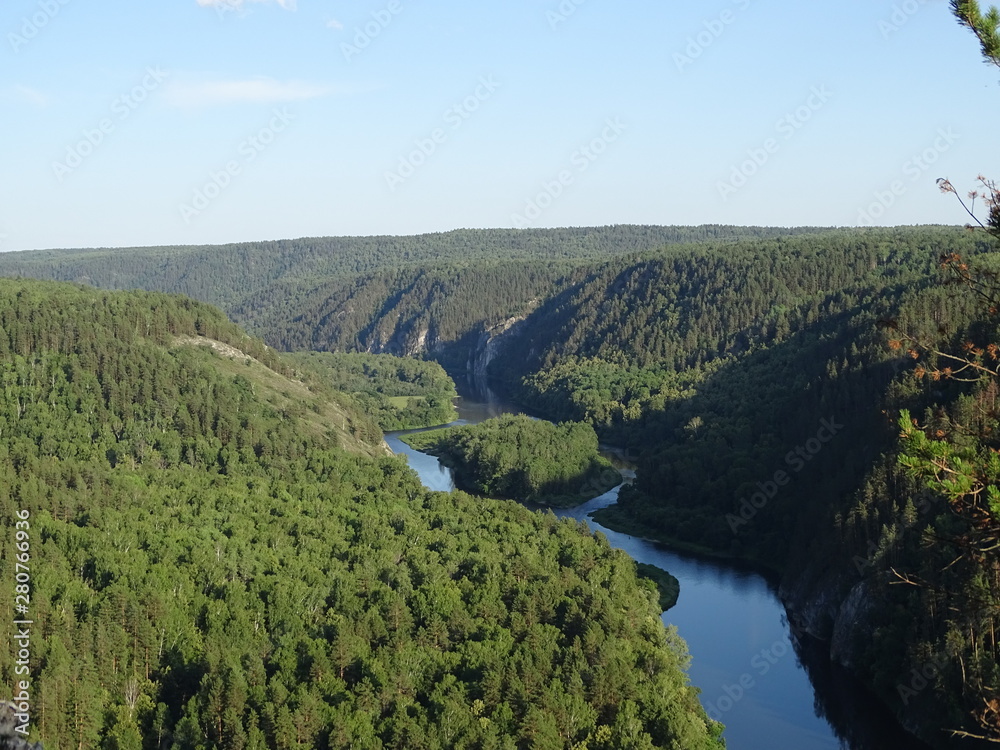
{"x":86,"y":324}
{"x":754,"y":384}
{"x":211,"y":567}
{"x":676,"y":309}
{"x":224,"y":275}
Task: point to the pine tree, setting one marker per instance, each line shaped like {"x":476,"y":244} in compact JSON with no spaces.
{"x":986,"y":26}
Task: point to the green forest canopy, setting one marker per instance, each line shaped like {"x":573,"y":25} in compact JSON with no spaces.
{"x":402,"y":394}
{"x":209,"y":570}
{"x":657,"y":347}
{"x":520,"y":458}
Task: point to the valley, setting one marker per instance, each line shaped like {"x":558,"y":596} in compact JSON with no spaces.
{"x":750,"y":377}
{"x":500,"y":376}
{"x":770,"y":683}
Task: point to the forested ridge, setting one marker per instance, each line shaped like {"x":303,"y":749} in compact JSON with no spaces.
{"x":726,"y":363}
{"x":656,"y":349}
{"x":212,"y":568}
{"x":224,"y":275}
{"x":752,"y":382}
{"x":231,"y":560}
{"x":440,"y":308}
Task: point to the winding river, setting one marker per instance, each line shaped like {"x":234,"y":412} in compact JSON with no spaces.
{"x":771,"y":690}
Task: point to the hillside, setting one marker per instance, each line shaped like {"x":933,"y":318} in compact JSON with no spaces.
{"x":751,"y":381}
{"x":212,"y":566}
{"x":401,"y":394}
{"x":322,"y":412}
{"x":225,"y":275}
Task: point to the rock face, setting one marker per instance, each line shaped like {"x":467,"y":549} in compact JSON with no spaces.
{"x":419,"y":345}
{"x":491,"y":343}
{"x":833,"y":608}
{"x":841,"y":610}
{"x":853,"y":623}
{"x":9,"y":738}
{"x":813,"y":596}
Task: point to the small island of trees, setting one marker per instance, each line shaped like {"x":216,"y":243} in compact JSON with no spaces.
{"x":520,"y":458}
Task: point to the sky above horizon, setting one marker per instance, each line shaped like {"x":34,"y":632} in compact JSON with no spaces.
{"x":213,"y":121}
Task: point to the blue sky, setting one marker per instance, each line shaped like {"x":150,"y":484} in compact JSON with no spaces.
{"x":204,"y":121}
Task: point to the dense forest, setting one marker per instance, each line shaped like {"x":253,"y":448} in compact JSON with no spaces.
{"x":793,"y":322}
{"x":520,"y":458}
{"x":215,"y":562}
{"x":227,"y":557}
{"x":228,"y":274}
{"x":444,"y":309}
{"x":751,"y":379}
{"x":402,"y":394}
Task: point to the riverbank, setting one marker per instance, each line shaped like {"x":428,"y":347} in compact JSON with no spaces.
{"x":734,"y":626}
{"x":614,"y":517}
{"x":668,"y":586}
{"x":524,"y":459}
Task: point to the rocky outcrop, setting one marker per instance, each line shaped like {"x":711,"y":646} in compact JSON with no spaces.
{"x":224,"y":349}
{"x":419,"y":345}
{"x":491,"y":343}
{"x":852,"y":625}
{"x":403,"y":341}
{"x":10,"y":736}
{"x":812,"y":615}
{"x":840,"y":610}
{"x":832,"y":607}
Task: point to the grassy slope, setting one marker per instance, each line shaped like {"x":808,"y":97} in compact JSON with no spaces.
{"x":320,"y":411}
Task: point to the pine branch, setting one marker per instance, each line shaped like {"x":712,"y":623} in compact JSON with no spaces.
{"x":986,"y":26}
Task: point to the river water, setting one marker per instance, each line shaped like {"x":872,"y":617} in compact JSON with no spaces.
{"x":772,"y":690}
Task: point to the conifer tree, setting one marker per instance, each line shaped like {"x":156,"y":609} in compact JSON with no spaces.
{"x":986,"y":26}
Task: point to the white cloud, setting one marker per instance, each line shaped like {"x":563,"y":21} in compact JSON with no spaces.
{"x":254,"y":91}
{"x":333,"y":23}
{"x":238,"y":4}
